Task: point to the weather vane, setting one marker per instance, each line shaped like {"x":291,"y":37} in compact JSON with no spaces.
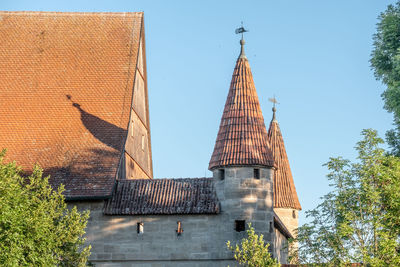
{"x":241,"y":30}
{"x":273,"y":100}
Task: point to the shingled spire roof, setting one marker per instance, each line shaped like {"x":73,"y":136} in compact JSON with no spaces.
{"x":242,"y":136}
{"x":285,"y":195}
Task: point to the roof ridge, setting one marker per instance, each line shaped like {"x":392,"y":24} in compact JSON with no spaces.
{"x":59,"y":13}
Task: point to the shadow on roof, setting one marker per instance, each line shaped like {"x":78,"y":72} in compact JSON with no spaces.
{"x":107,"y":133}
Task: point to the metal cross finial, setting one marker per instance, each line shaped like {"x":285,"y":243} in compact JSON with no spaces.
{"x":274,"y":101}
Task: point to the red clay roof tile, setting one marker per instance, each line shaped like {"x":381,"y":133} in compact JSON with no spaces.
{"x":285,"y":195}
{"x":66,"y":83}
{"x":242,"y":136}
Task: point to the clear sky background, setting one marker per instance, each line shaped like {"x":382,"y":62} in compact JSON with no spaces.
{"x":313,"y":55}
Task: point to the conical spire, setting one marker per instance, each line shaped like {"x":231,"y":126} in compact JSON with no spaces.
{"x":242,"y":136}
{"x":285,"y":195}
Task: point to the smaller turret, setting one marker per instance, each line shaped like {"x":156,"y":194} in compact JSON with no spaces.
{"x":286,"y":202}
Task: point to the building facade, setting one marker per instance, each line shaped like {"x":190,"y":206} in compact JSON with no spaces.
{"x":77,"y":82}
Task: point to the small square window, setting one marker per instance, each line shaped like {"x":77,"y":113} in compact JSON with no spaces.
{"x":240,"y":225}
{"x":294,"y":214}
{"x":256,"y":173}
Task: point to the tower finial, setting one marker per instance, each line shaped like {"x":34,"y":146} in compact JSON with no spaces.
{"x":274,"y":101}
{"x":242,"y":42}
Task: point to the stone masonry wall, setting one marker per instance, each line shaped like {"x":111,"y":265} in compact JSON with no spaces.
{"x":115,"y":241}
{"x":243,"y":197}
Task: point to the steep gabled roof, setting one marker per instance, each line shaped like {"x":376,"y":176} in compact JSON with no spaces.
{"x":285,"y":195}
{"x":163,"y":196}
{"x":66,"y":82}
{"x":242,"y":136}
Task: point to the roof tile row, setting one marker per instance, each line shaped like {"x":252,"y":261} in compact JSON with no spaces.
{"x":163,"y":196}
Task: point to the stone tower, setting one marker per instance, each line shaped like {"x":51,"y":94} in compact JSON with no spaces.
{"x":242,"y":162}
{"x":286,"y":202}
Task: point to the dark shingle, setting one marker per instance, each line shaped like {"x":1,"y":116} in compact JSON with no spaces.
{"x":163,"y":196}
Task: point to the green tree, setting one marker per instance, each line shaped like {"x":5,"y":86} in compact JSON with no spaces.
{"x":385,"y":61}
{"x":36,"y":227}
{"x":358,"y":221}
{"x":253,"y":251}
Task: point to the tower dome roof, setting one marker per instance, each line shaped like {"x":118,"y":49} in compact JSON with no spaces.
{"x":242,"y":136}
{"x":285,"y":195}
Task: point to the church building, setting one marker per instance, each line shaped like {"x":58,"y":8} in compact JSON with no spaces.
{"x":74,"y":99}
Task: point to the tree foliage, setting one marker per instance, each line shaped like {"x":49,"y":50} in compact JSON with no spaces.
{"x":358,"y":221}
{"x":253,"y":251}
{"x":36,"y":227}
{"x":385,"y":60}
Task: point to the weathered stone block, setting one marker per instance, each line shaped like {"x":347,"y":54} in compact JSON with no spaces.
{"x":118,"y":256}
{"x":111,"y":248}
{"x":259,"y":216}
{"x":261,"y":193}
{"x":250,"y":183}
{"x":245,"y":173}
{"x":261,"y":226}
{"x":237,"y":194}
{"x":230,"y":173}
{"x":103,"y":256}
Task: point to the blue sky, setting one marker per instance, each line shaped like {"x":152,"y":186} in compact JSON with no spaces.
{"x":313,"y":55}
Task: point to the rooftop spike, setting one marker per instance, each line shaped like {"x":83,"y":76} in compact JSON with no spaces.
{"x":242,"y":54}
{"x":274,"y":101}
{"x":242,"y":42}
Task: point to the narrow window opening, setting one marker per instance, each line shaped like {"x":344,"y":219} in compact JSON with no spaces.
{"x":140,"y":228}
{"x":132,"y":128}
{"x":270,"y":227}
{"x":294,"y":214}
{"x":221,"y":174}
{"x":142,"y":142}
{"x":240,"y":225}
{"x":256,"y":173}
{"x":179,"y":229}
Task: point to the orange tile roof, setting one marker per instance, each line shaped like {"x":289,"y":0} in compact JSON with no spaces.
{"x":66,"y":83}
{"x":242,"y":136}
{"x":285,"y":195}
